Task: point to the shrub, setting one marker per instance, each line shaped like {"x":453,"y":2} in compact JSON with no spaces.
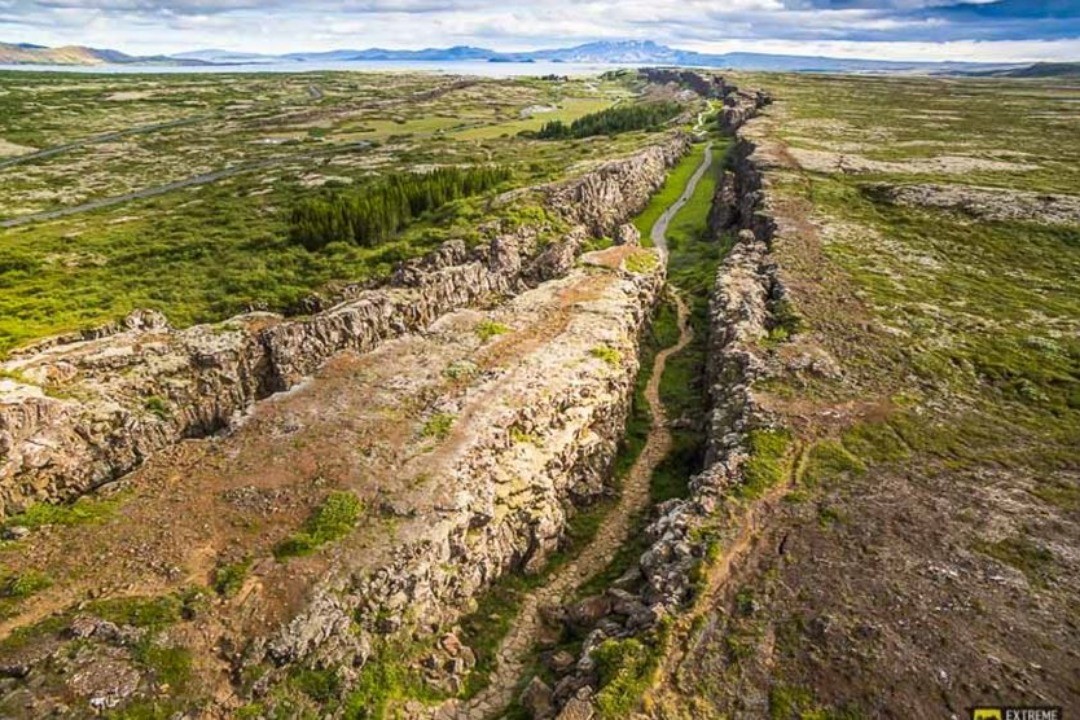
{"x":641,"y":262}
{"x":608,"y":354}
{"x":625,"y":667}
{"x":487,"y":329}
{"x":438,"y":426}
{"x":332,"y":521}
{"x":228,"y":579}
{"x":24,"y":585}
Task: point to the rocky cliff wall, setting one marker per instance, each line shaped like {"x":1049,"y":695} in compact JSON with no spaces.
{"x":739,"y":317}
{"x":512,"y":500}
{"x":704,"y":84}
{"x":75,"y":415}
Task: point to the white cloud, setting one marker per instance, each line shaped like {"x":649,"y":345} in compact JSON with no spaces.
{"x":272,"y":26}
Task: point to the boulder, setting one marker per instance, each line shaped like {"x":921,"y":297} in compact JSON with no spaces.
{"x":537,"y":700}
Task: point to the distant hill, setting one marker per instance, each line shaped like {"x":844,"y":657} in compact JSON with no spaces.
{"x":27,"y":54}
{"x":623,"y":52}
{"x":1038,"y":70}
{"x":633,"y":52}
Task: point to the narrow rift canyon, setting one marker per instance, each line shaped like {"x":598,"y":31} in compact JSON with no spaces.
{"x":592,"y":463}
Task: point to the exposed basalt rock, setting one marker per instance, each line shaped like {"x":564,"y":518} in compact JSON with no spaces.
{"x":985,"y":203}
{"x":704,"y":84}
{"x":80,"y":411}
{"x":724,"y":213}
{"x":610,"y":194}
{"x":628,"y":235}
{"x":739,"y":317}
{"x":510,"y":505}
{"x":740,"y":106}
{"x":545,"y":417}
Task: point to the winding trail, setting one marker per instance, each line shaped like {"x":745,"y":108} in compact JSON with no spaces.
{"x":196,"y":180}
{"x":514,"y":651}
{"x":659,"y":230}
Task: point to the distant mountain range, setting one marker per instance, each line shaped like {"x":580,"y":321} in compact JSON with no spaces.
{"x":28,"y":54}
{"x":1043,"y":69}
{"x":627,"y":52}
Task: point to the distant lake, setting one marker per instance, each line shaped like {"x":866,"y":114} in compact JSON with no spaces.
{"x":449,"y":67}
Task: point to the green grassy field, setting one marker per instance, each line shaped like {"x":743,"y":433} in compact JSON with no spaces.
{"x":669,"y":193}
{"x":204,"y":253}
{"x":568,"y":110}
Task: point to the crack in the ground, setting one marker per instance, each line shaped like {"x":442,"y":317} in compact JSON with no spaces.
{"x":513,"y":654}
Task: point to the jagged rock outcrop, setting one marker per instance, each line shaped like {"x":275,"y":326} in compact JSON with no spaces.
{"x":511,"y":500}
{"x":740,"y":106}
{"x":537,"y":424}
{"x":985,"y":203}
{"x":724,"y":215}
{"x":705,"y":84}
{"x":80,"y":411}
{"x":615,"y":191}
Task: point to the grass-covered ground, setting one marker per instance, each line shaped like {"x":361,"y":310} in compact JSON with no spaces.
{"x":926,"y":557}
{"x":204,"y":253}
{"x":669,"y":193}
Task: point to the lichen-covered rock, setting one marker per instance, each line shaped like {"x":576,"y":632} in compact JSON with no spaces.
{"x":705,"y":84}
{"x":79,"y":411}
{"x":627,"y":234}
{"x":606,"y":196}
{"x":512,"y":502}
{"x":724,"y":213}
{"x":740,"y":106}
{"x":537,"y":700}
{"x":986,"y":203}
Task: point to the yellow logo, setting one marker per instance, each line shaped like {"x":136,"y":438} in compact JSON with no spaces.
{"x":986,"y":714}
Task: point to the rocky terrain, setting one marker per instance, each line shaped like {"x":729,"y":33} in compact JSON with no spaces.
{"x":77,"y":414}
{"x":451,"y":496}
{"x":889,"y":542}
{"x":474,"y":449}
{"x":472,"y":459}
{"x":987,"y":203}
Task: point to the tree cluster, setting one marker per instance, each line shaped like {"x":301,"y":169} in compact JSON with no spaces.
{"x":375,"y":212}
{"x":614,"y":120}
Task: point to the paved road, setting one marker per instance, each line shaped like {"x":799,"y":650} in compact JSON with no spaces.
{"x":313,"y":91}
{"x":203,"y":179}
{"x":659,"y":230}
{"x":105,"y":137}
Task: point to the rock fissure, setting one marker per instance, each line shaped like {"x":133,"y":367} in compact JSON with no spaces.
{"x":741,"y":311}
{"x":80,"y":412}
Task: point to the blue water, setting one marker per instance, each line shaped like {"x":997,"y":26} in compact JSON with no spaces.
{"x":473,"y":67}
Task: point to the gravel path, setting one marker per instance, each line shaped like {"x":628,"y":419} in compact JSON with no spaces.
{"x":659,"y":230}
{"x":513,"y":653}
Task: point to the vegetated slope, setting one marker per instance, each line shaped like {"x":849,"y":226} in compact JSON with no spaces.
{"x":924,"y":371}
{"x":25,"y":54}
{"x":1038,"y":70}
{"x":224,"y":246}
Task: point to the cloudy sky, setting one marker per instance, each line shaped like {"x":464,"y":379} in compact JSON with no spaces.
{"x":989,"y":30}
